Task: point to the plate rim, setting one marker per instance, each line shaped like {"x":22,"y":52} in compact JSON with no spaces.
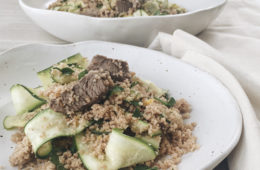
{"x":217,"y":159}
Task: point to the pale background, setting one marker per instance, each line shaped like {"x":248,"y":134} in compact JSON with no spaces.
{"x":235,"y":33}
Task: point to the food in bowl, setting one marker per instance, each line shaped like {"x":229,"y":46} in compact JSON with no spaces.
{"x":97,"y":115}
{"x":117,"y":8}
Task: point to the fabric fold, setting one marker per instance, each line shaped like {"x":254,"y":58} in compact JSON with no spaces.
{"x":192,"y":50}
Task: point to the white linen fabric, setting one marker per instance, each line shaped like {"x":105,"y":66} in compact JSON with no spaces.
{"x":235,"y":36}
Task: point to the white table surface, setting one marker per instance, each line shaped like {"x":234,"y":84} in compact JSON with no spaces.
{"x":16,"y":28}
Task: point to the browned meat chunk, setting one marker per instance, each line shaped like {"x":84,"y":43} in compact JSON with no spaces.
{"x":90,"y":89}
{"x":118,"y":69}
{"x":123,"y":5}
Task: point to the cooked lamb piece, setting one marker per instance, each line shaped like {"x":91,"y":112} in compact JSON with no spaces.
{"x":118,"y":69}
{"x":90,"y":89}
{"x":123,"y":5}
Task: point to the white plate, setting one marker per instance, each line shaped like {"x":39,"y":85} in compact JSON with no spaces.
{"x":214,"y":109}
{"x":131,"y":30}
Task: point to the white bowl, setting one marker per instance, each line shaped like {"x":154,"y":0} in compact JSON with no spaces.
{"x":215,"y":111}
{"x":131,"y":30}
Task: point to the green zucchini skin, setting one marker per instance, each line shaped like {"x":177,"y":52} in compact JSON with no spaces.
{"x":89,"y":161}
{"x":121,"y":151}
{"x":24,"y":99}
{"x":152,"y":141}
{"x":45,"y":77}
{"x":17,"y":121}
{"x":48,"y":79}
{"x":48,"y":125}
{"x":45,"y":150}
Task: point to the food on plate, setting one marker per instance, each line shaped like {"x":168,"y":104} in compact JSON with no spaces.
{"x":97,"y":115}
{"x":117,"y":8}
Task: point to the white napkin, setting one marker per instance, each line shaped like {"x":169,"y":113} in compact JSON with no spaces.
{"x":246,"y":156}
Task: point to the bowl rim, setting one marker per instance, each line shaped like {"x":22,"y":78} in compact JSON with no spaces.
{"x":24,"y":5}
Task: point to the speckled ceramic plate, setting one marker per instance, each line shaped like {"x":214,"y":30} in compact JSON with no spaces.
{"x":129,"y":30}
{"x":214,"y":109}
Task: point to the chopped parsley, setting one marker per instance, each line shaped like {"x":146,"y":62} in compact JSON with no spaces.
{"x":168,"y":103}
{"x":98,"y":132}
{"x":82,"y":74}
{"x":66,"y":70}
{"x":99,"y":5}
{"x":73,"y":65}
{"x":135,"y":103}
{"x":162,"y":116}
{"x":99,"y":121}
{"x":134,"y":84}
{"x":115,"y":90}
{"x":137,"y":113}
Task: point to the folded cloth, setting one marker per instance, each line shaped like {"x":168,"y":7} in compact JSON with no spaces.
{"x":246,"y":155}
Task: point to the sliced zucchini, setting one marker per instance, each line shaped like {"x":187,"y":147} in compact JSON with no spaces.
{"x":63,"y":79}
{"x":140,"y":12}
{"x":151,"y":86}
{"x":38,"y":91}
{"x":155,"y":89}
{"x":142,"y":126}
{"x":78,"y":59}
{"x":45,"y":77}
{"x":153,"y":141}
{"x":48,"y":79}
{"x":123,"y":151}
{"x":157,"y":133}
{"x":47,"y":125}
{"x":89,"y":161}
{"x":139,"y":126}
{"x":44,"y":150}
{"x":25,"y":100}
{"x":18,"y":121}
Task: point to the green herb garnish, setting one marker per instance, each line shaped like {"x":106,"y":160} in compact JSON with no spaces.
{"x":66,"y":70}
{"x":99,"y":121}
{"x":144,"y":167}
{"x":98,"y":132}
{"x":171,"y":102}
{"x":82,"y":74}
{"x":115,"y":90}
{"x":168,"y":103}
{"x":135,"y":103}
{"x":99,"y":5}
{"x":166,"y":95}
{"x":74,"y":65}
{"x":134,"y":84}
{"x":137,"y":113}
{"x":162,"y":116}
